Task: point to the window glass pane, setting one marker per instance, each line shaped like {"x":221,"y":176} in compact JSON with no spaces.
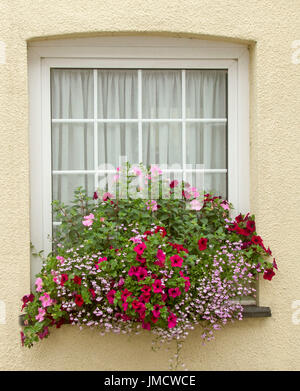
{"x":72,"y":146}
{"x":206,"y":94}
{"x":116,"y":140}
{"x":216,"y":183}
{"x":63,"y":186}
{"x":117,"y":94}
{"x":206,"y":144}
{"x":161,"y":91}
{"x":72,"y":93}
{"x":162,"y":143}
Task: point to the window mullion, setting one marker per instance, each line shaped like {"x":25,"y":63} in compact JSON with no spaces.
{"x":183,"y":113}
{"x":140,"y":124}
{"x":95,"y":128}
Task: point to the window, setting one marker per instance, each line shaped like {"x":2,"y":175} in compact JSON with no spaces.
{"x":173,"y":102}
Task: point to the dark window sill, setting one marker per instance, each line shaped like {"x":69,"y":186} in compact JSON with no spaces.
{"x":250,"y":311}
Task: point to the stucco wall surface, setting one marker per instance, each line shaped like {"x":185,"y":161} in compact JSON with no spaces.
{"x":270,"y":27}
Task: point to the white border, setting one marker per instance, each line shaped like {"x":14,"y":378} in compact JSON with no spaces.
{"x":131,"y":52}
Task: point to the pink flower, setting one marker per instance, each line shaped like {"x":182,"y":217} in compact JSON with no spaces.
{"x":61,"y":259}
{"x":146,"y":289}
{"x":225,"y":205}
{"x":172,"y":320}
{"x":121,"y":282}
{"x":41,"y":315}
{"x":141,"y":273}
{"x":111,"y":296}
{"x":146,"y":325}
{"x":87,"y":223}
{"x":137,"y":171}
{"x":155,"y":170}
{"x":102,"y":219}
{"x":174,"y":292}
{"x":100,"y":260}
{"x":160,"y":255}
{"x":195,"y":205}
{"x":89,"y":217}
{"x":156,"y":311}
{"x":151,"y":205}
{"x":136,"y":239}
{"x":116,"y":177}
{"x":187,"y":281}
{"x":140,"y":248}
{"x":133,"y":271}
{"x":46,"y":300}
{"x":157,"y":286}
{"x":107,"y":196}
{"x":39,"y":284}
{"x":176,"y":261}
{"x":125,"y":294}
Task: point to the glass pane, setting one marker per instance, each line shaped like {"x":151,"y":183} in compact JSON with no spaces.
{"x":116,"y":140}
{"x":206,"y":144}
{"x":117,"y":94}
{"x":72,"y":93}
{"x":161,"y":90}
{"x":216,"y":183}
{"x":162,"y":143}
{"x":206,"y":92}
{"x":63,"y":186}
{"x":72,"y":146}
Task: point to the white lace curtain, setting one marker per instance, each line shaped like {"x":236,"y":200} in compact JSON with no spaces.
{"x":72,"y":93}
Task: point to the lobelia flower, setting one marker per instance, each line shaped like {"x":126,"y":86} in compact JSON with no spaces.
{"x":269,"y":274}
{"x":46,"y":300}
{"x":77,"y":280}
{"x":202,"y":244}
{"x":172,"y":320}
{"x":79,"y":300}
{"x":174,"y":292}
{"x":41,"y":315}
{"x":39,"y":284}
{"x":176,"y":261}
{"x":140,"y":248}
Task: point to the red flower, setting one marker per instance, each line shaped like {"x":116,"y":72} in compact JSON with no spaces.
{"x":275,"y":264}
{"x":79,"y":300}
{"x":140,"y":248}
{"x":269,"y":274}
{"x":162,"y":231}
{"x":146,"y":325}
{"x":95,"y":196}
{"x":44,"y":333}
{"x":27,"y":299}
{"x":176,"y":261}
{"x":250,"y":225}
{"x":173,"y":184}
{"x":133,"y":271}
{"x":144,"y":298}
{"x":257,"y":240}
{"x":92,"y":292}
{"x":174,"y":292}
{"x":172,"y":320}
{"x":157,"y":286}
{"x":202,"y":244}
{"x":64,"y":278}
{"x":22,"y":338}
{"x":77,"y":280}
{"x":146,"y":289}
{"x":140,"y":259}
{"x":125,"y":294}
{"x":111,"y":296}
{"x":141,"y":273}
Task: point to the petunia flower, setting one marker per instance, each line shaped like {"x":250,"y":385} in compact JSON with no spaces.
{"x":77,"y":280}
{"x":174,"y":292}
{"x":39,"y":284}
{"x":172,"y":320}
{"x":64,"y":278}
{"x":140,"y":248}
{"x":79,"y":300}
{"x":141,"y":273}
{"x":269,"y":274}
{"x":157,"y":286}
{"x":176,"y":261}
{"x":46,"y":300}
{"x":202,"y":244}
{"x":111,"y":296}
{"x":41,"y":315}
{"x":195,"y":205}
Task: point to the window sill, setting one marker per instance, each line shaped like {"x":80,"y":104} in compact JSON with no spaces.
{"x":250,"y":311}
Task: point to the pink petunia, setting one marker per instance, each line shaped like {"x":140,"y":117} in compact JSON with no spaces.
{"x":140,"y":248}
{"x":39,"y":284}
{"x":174,"y":292}
{"x":41,"y":315}
{"x":141,"y":273}
{"x":195,"y":205}
{"x":172,"y":320}
{"x":176,"y":261}
{"x":157,"y":286}
{"x":46,"y":300}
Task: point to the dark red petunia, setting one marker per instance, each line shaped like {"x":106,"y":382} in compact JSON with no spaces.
{"x":250,"y":225}
{"x":27,"y":299}
{"x":162,"y":231}
{"x":77,"y":280}
{"x":275,"y":264}
{"x":79,"y":300}
{"x":92,"y":292}
{"x":202,"y":244}
{"x":173,"y":184}
{"x":257,"y":240}
{"x":95,"y":196}
{"x":269,"y":274}
{"x":64,"y":278}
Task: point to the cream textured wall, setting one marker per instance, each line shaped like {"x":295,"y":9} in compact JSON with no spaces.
{"x":270,"y":27}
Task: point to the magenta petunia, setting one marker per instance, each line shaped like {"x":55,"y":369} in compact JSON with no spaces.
{"x":176,"y":261}
{"x":157,"y":286}
{"x":111,"y":296}
{"x":174,"y":292}
{"x":140,"y":248}
{"x":172,"y":320}
{"x":141,"y":273}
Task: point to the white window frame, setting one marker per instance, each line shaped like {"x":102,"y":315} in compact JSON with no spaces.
{"x":131,"y":52}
